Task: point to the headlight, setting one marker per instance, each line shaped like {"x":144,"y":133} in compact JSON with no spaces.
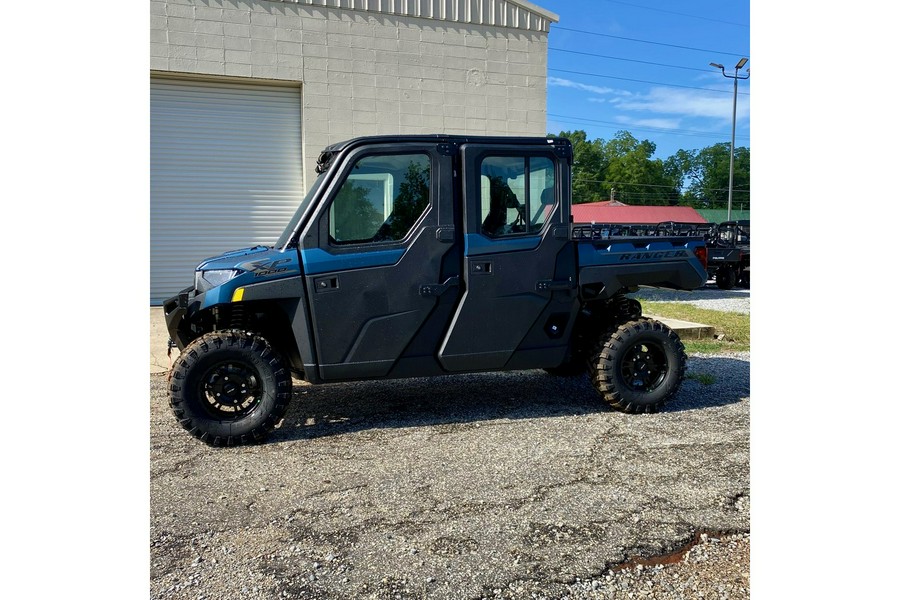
{"x":206,"y":280}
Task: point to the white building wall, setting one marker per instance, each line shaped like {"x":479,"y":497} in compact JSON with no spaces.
{"x":366,"y":71}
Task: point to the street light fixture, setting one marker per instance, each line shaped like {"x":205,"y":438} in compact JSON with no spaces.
{"x":736,"y":77}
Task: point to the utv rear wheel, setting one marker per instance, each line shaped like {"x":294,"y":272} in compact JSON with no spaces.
{"x":638,"y":366}
{"x":229,"y":388}
{"x":726,"y":278}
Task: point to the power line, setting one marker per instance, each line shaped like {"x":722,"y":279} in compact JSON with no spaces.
{"x":672,"y":12}
{"x":653,"y":185}
{"x":674,"y":85}
{"x":645,"y":62}
{"x":620,"y":126}
{"x":618,"y":37}
{"x":656,"y":185}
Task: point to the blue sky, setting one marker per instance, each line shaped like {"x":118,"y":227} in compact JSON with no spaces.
{"x":648,"y":70}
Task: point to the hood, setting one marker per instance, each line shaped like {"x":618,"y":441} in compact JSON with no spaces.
{"x":250,"y":266}
{"x":259,"y":261}
{"x":232,"y":258}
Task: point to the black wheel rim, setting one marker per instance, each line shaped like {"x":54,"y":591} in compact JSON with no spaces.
{"x":231,"y":389}
{"x":644,"y":367}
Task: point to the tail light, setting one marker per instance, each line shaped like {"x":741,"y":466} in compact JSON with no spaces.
{"x":700,"y":253}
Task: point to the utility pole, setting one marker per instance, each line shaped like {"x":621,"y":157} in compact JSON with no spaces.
{"x":737,"y":67}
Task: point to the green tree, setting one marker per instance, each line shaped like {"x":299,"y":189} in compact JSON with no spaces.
{"x":709,"y":177}
{"x":353,"y":216}
{"x":681,"y":169}
{"x":625,"y":164}
{"x":637,"y":177}
{"x":410,"y":203}
{"x":588,"y":169}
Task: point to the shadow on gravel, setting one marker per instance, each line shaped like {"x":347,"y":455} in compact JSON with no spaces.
{"x":459,"y":401}
{"x":731,"y":383}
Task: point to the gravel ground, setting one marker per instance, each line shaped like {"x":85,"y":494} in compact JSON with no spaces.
{"x":709,"y":297}
{"x":495,"y":485}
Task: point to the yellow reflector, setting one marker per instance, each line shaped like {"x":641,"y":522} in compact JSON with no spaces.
{"x":238,"y":295}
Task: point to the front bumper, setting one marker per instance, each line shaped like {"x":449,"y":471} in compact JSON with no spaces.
{"x":176,"y":309}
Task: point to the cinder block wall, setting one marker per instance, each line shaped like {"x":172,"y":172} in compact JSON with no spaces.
{"x":362,"y":73}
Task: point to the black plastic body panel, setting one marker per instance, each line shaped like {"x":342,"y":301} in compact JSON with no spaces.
{"x":368,"y":310}
{"x":503,"y":315}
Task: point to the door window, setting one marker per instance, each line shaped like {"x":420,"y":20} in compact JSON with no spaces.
{"x":381,"y":199}
{"x":517,"y":194}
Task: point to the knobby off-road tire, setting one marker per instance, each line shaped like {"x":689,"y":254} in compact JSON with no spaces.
{"x":229,"y":388}
{"x":726,"y":278}
{"x":637,"y":366}
{"x":627,"y":309}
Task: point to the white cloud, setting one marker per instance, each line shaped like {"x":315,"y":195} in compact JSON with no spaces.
{"x":594,"y":89}
{"x":686,"y":103}
{"x":655,"y":123}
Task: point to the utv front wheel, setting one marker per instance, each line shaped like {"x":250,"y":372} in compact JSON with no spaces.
{"x":229,"y":388}
{"x":638,"y":366}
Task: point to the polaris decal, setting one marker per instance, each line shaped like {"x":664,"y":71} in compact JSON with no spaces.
{"x":653,"y":255}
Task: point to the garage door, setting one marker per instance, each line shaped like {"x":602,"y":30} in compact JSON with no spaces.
{"x":225,"y":172}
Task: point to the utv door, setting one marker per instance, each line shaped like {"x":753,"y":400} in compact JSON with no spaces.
{"x":377,"y":264}
{"x":518,"y":265}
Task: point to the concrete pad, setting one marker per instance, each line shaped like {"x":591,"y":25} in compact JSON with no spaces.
{"x":159,"y":337}
{"x":686,"y":329}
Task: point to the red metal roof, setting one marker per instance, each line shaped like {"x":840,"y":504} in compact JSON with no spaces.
{"x":616,"y":212}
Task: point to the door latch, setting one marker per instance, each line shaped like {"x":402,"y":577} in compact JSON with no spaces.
{"x":482,"y":268}
{"x":326,"y":284}
{"x":553,"y":285}
{"x":433,"y":290}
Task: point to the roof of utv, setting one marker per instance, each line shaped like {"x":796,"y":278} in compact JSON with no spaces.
{"x":561,"y":146}
{"x":447,"y":139}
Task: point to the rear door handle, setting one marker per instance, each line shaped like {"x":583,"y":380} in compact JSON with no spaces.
{"x":555,"y":284}
{"x":432,"y":290}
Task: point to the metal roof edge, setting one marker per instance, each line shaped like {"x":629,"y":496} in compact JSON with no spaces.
{"x":474,"y":12}
{"x":550,"y":16}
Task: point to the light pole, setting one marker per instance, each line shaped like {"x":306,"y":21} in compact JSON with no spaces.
{"x":736,"y":77}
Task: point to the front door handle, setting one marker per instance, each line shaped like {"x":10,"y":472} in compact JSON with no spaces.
{"x":482,"y":268}
{"x":326,"y":284}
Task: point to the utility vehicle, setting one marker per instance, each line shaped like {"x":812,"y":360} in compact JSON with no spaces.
{"x":729,"y":254}
{"x":417,"y":256}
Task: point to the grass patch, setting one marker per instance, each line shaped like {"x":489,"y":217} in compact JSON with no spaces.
{"x":703,"y":378}
{"x":734,"y":327}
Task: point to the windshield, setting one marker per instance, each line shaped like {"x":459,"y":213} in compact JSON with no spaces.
{"x":301,"y":210}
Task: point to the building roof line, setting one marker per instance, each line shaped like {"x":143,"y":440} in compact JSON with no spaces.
{"x":551,"y":16}
{"x":515,"y":14}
